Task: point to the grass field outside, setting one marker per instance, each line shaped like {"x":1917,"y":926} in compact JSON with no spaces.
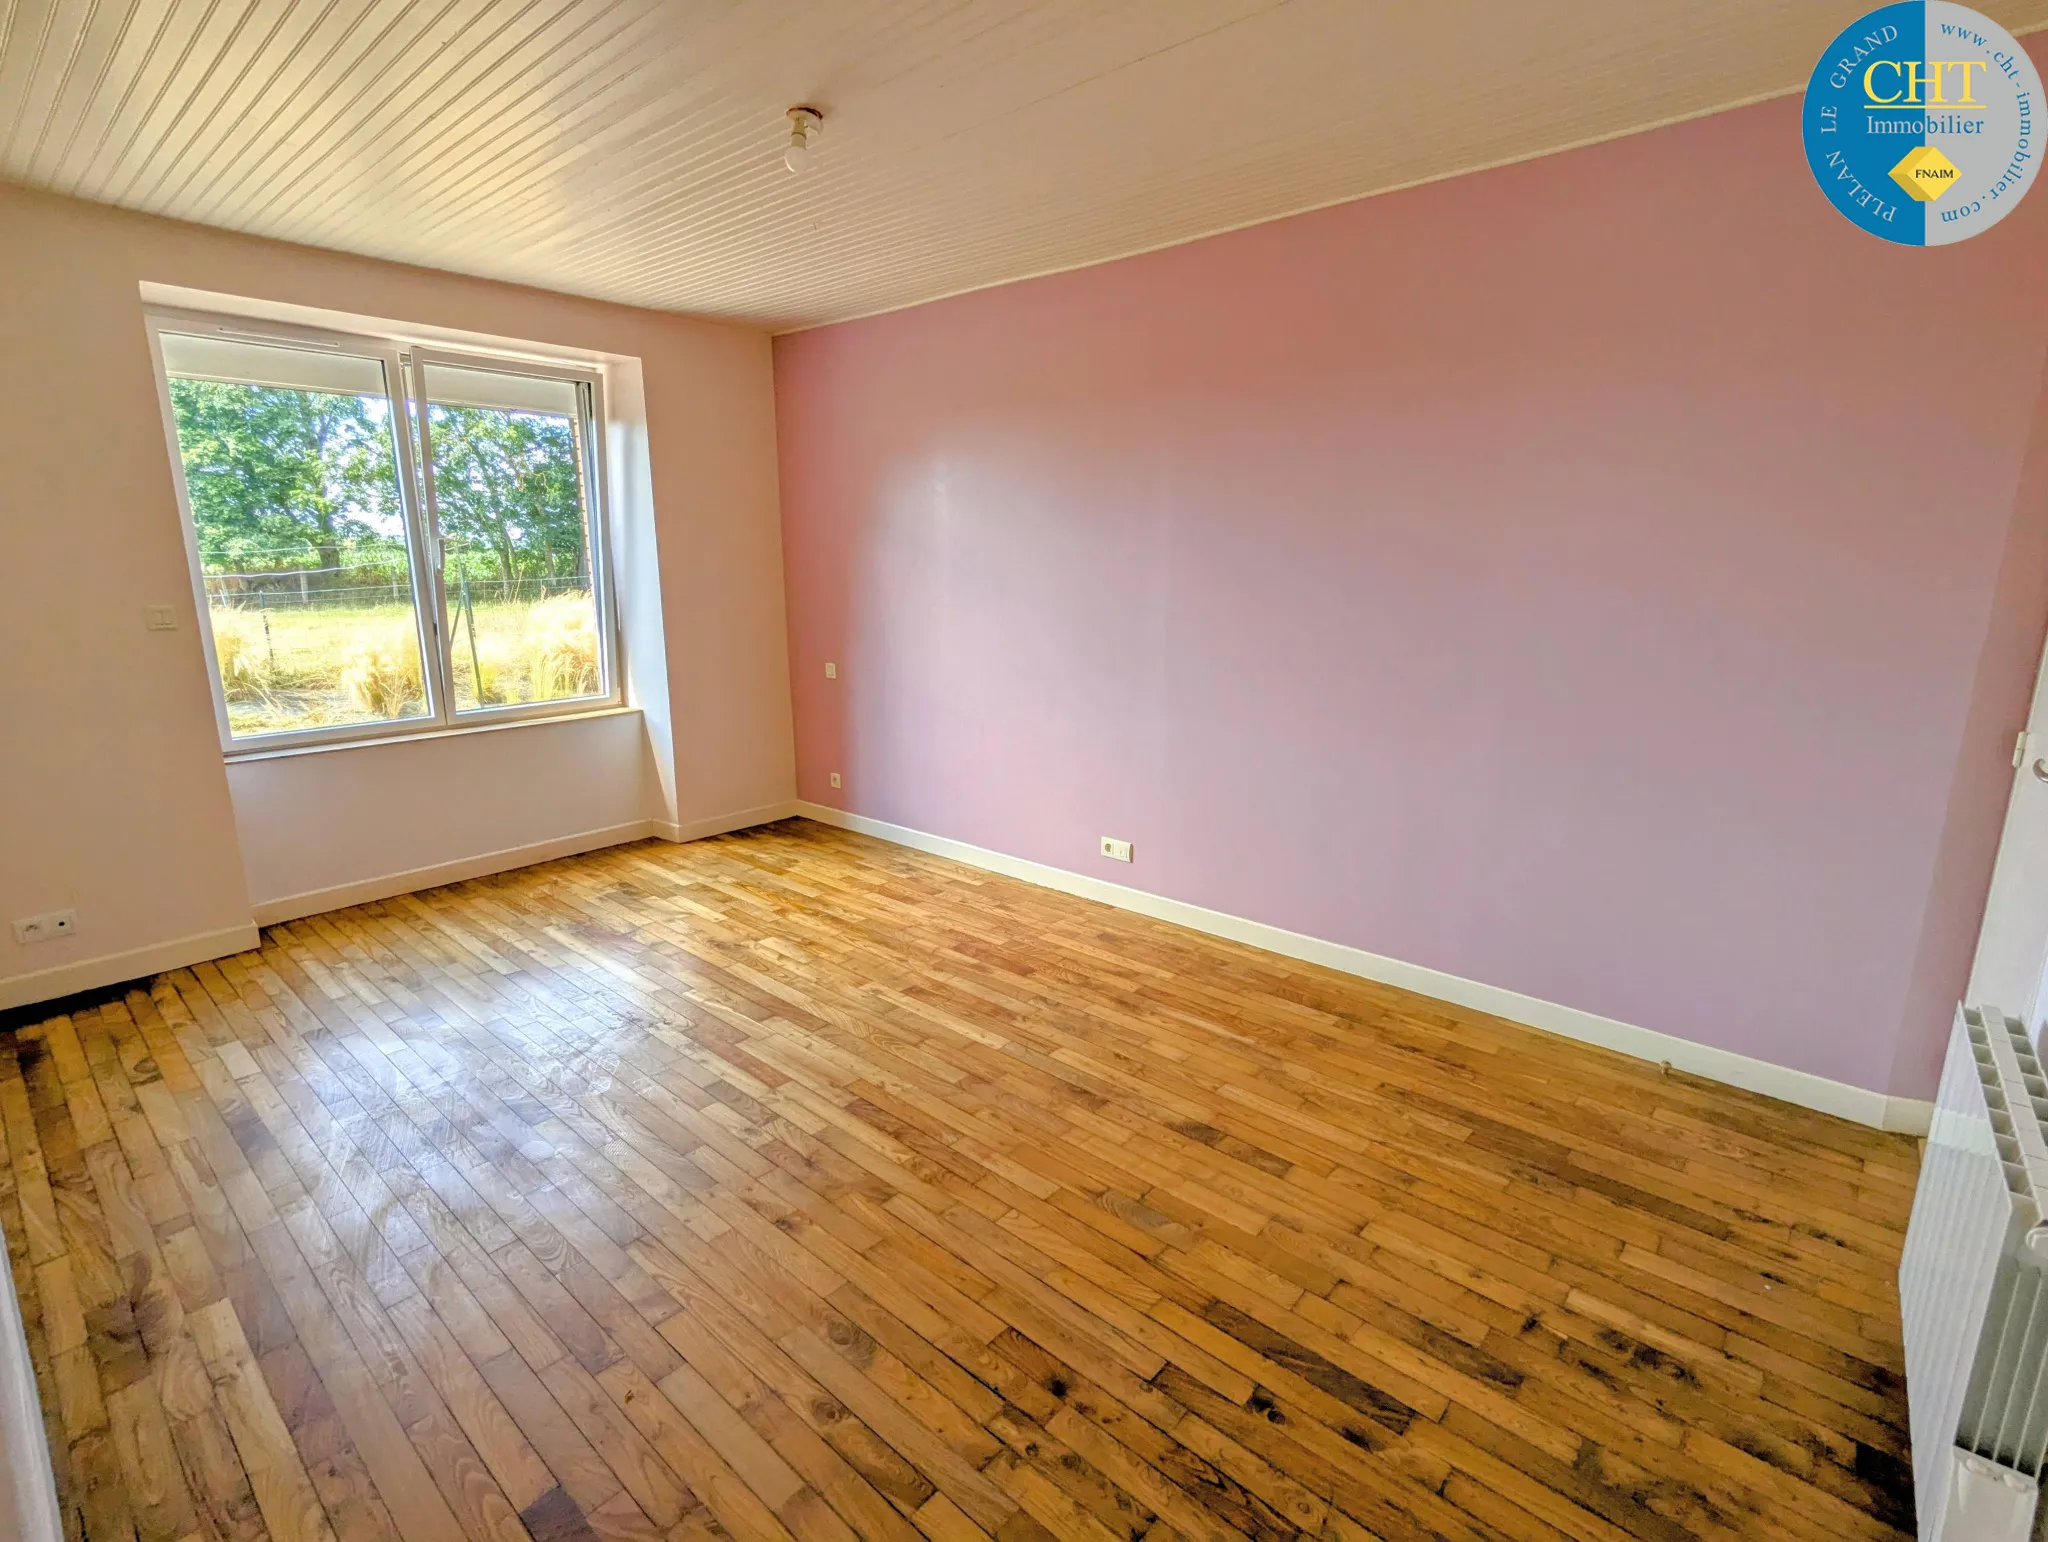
{"x":286,"y":667}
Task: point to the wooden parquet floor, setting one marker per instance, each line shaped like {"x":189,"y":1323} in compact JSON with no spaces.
{"x":791,"y":1185}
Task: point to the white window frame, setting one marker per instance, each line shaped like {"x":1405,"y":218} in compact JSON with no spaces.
{"x":404,"y":364}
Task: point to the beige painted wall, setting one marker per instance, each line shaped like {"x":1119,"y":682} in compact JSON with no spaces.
{"x":324,"y":830}
{"x":114,"y":799}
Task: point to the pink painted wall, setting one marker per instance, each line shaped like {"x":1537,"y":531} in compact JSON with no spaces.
{"x":1590,"y":578}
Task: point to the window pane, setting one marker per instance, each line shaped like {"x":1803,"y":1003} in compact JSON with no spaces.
{"x":292,"y":472}
{"x":515,"y":536}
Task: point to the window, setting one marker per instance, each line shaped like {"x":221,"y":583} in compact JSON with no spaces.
{"x":387,"y":539}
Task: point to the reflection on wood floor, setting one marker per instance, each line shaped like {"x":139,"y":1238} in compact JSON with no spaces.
{"x":791,"y":1185}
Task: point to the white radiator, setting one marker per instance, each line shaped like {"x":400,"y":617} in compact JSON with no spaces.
{"x":28,"y":1495}
{"x":1971,"y":1291}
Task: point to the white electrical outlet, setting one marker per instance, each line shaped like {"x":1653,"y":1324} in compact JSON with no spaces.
{"x":1116,"y":850}
{"x":49,"y":925}
{"x":835,"y":778}
{"x":160,"y":618}
{"x":831,"y":671}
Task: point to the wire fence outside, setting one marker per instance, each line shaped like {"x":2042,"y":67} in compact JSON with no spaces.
{"x":317,"y":589}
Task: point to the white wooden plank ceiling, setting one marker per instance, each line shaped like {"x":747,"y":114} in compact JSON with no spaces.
{"x":631,"y":149}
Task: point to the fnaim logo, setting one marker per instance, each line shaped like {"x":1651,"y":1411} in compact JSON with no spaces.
{"x":1922,"y":123}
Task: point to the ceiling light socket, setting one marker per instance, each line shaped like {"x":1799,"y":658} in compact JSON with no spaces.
{"x":806,"y":128}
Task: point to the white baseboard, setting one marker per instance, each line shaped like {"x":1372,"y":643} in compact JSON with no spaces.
{"x":361,"y":892}
{"x":339,"y":897}
{"x":111,"y":968}
{"x":1908,"y":1116}
{"x":725,"y":824}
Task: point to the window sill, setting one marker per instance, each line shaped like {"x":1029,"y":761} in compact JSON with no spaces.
{"x":414,"y":736}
